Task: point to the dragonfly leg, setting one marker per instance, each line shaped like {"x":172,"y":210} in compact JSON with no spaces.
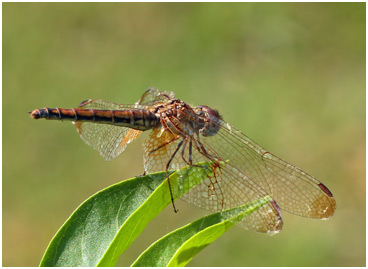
{"x":183,"y":152}
{"x":191,"y":155}
{"x":167,"y":173}
{"x":163,"y":145}
{"x":199,"y":146}
{"x":190,"y":152}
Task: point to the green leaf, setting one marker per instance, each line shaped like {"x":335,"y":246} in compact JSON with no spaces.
{"x":180,"y":246}
{"x":105,"y":225}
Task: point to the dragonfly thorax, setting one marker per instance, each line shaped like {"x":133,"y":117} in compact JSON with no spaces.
{"x":180,"y":118}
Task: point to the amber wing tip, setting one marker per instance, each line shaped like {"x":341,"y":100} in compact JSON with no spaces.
{"x":330,"y":210}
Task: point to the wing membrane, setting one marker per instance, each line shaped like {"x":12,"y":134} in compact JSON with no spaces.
{"x":294,"y":190}
{"x":250,"y":173}
{"x":153,"y":96}
{"x":227,"y":189}
{"x":109,"y":140}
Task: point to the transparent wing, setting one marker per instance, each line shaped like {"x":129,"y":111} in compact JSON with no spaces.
{"x":294,"y":190}
{"x":250,"y":173}
{"x":153,"y":96}
{"x":227,"y":189}
{"x":109,"y":140}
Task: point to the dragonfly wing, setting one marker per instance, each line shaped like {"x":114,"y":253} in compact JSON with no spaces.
{"x":230,"y":188}
{"x":109,"y":140}
{"x":250,"y":173}
{"x":153,"y":96}
{"x":294,"y":190}
{"x":107,"y":105}
{"x":158,"y":149}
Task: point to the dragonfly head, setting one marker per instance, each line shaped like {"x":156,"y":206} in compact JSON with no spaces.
{"x":211,"y":118}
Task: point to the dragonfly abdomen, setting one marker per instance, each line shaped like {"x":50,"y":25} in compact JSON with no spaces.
{"x":139,"y":119}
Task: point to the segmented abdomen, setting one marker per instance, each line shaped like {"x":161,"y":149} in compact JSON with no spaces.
{"x":139,"y":119}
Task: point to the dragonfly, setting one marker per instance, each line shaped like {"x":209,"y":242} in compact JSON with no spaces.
{"x":183,"y":135}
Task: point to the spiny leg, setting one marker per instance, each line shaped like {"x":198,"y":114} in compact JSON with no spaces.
{"x":213,"y":158}
{"x":167,"y":173}
{"x":183,"y":151}
{"x":191,"y":154}
{"x":186,"y":135}
{"x":185,"y":141}
{"x":201,"y":149}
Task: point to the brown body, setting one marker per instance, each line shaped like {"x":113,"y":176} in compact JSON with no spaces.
{"x":139,"y":119}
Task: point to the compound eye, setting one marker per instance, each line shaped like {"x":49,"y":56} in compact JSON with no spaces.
{"x":213,"y":121}
{"x":213,"y":114}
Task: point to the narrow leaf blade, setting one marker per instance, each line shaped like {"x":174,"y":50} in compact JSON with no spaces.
{"x":105,"y":225}
{"x":181,"y":245}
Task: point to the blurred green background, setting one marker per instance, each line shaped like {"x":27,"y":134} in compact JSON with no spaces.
{"x":289,"y":75}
